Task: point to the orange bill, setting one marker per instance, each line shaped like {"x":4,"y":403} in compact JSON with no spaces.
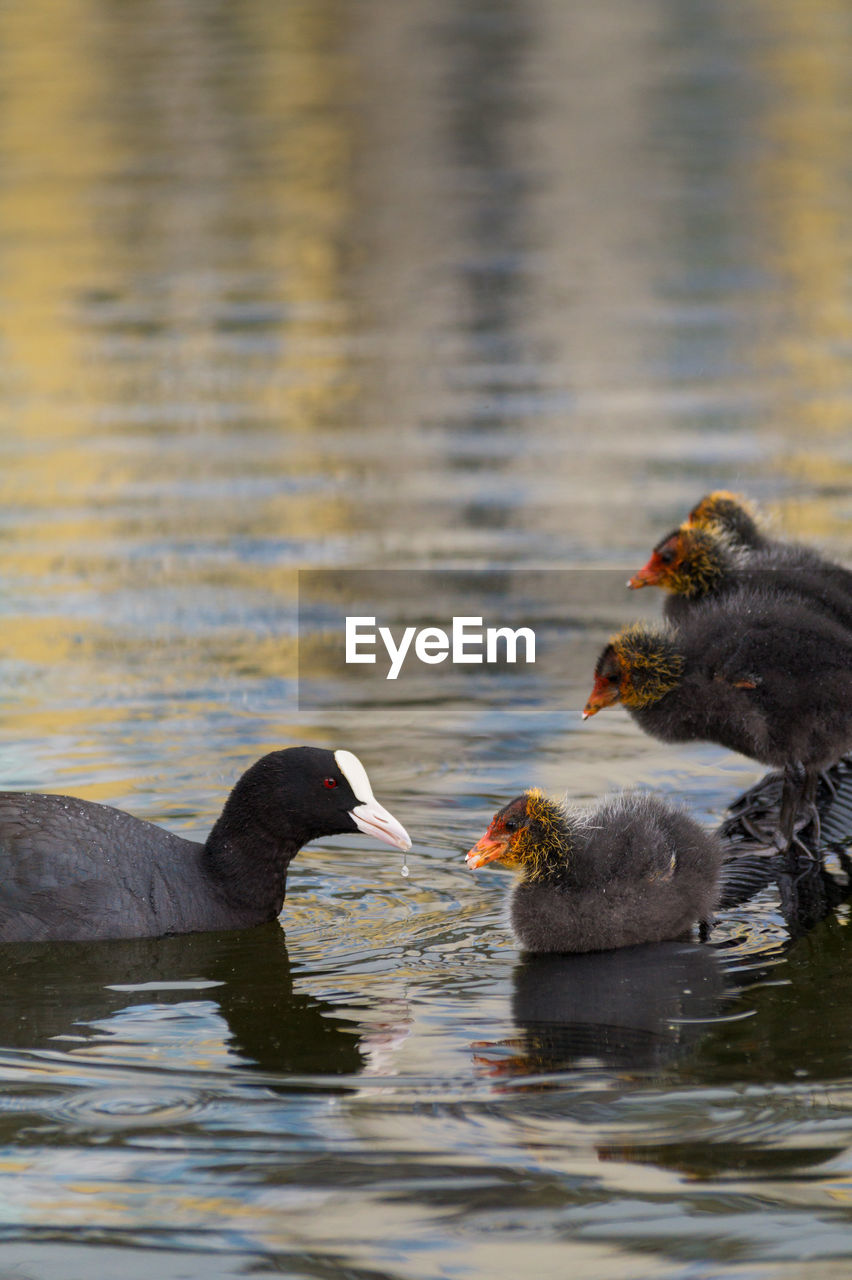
{"x":604,"y":694}
{"x":488,"y":849}
{"x":649,"y":575}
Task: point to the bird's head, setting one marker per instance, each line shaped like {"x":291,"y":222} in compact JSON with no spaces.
{"x":688,"y":562}
{"x":729,"y":512}
{"x":638,"y":666}
{"x":529,"y":834}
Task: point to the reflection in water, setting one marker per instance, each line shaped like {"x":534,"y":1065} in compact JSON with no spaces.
{"x":86,"y":990}
{"x":640,"y":1008}
{"x":794,"y":1037}
{"x":798,"y":1029}
{"x":635,"y":1009}
{"x":485,"y":61}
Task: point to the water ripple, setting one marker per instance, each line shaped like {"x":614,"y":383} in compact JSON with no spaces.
{"x":125,"y":1110}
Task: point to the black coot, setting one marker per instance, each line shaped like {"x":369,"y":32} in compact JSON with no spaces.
{"x":76,"y":870}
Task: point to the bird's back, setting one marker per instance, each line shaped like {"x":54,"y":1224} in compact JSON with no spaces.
{"x":792,"y":574}
{"x":776,"y":677}
{"x":642,"y":871}
{"x":72,"y":869}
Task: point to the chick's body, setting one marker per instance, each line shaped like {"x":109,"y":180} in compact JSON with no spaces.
{"x":639,"y":871}
{"x":766,"y":677}
{"x":630,"y":871}
{"x":735,"y":519}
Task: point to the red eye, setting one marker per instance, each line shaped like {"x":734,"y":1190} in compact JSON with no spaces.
{"x":329,"y":782}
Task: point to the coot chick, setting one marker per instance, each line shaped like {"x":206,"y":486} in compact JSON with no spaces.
{"x":732,"y":514}
{"x":632,"y":870}
{"x":695,"y":564}
{"x":74,"y":870}
{"x":766,"y":677}
{"x":735,"y":517}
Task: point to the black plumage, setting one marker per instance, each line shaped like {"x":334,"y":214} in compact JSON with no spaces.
{"x":770,"y":679}
{"x":632,"y":870}
{"x":766,"y":677}
{"x":70,"y":869}
{"x":808,"y":890}
{"x":733,"y":515}
{"x":737,"y":519}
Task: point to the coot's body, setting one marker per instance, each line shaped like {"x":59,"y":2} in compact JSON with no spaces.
{"x":73,"y":870}
{"x":735,"y":519}
{"x":69,"y":866}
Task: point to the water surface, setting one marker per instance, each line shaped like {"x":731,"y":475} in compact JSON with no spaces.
{"x":495,"y":286}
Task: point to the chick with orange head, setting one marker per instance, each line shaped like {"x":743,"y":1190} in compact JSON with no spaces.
{"x":634,"y":869}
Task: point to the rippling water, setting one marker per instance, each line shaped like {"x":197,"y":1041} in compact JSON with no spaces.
{"x":495,"y":287}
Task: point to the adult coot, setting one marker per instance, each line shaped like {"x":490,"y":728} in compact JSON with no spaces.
{"x":76,"y":870}
{"x":633,"y":870}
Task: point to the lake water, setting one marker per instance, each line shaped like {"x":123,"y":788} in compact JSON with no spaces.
{"x":491,"y":291}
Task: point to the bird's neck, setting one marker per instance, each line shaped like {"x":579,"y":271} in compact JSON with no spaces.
{"x":745,"y":531}
{"x":652,"y":673}
{"x":706,"y":568}
{"x":551,"y":866}
{"x":679,"y":714}
{"x":249,"y":863}
{"x":547,"y":858}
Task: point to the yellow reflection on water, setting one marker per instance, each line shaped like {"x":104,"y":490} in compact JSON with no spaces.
{"x":54,"y":143}
{"x":172,"y":220}
{"x":805,"y":191}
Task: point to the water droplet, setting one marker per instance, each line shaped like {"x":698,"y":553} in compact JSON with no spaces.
{"x":404,"y":868}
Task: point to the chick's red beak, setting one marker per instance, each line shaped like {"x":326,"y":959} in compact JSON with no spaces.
{"x":604,"y":694}
{"x":649,"y":575}
{"x":488,"y":849}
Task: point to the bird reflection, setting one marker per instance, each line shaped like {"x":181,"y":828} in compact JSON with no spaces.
{"x":54,"y":993}
{"x":641,"y":1008}
{"x":788,"y":1033}
{"x":635,"y":1008}
{"x":797,"y":1028}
